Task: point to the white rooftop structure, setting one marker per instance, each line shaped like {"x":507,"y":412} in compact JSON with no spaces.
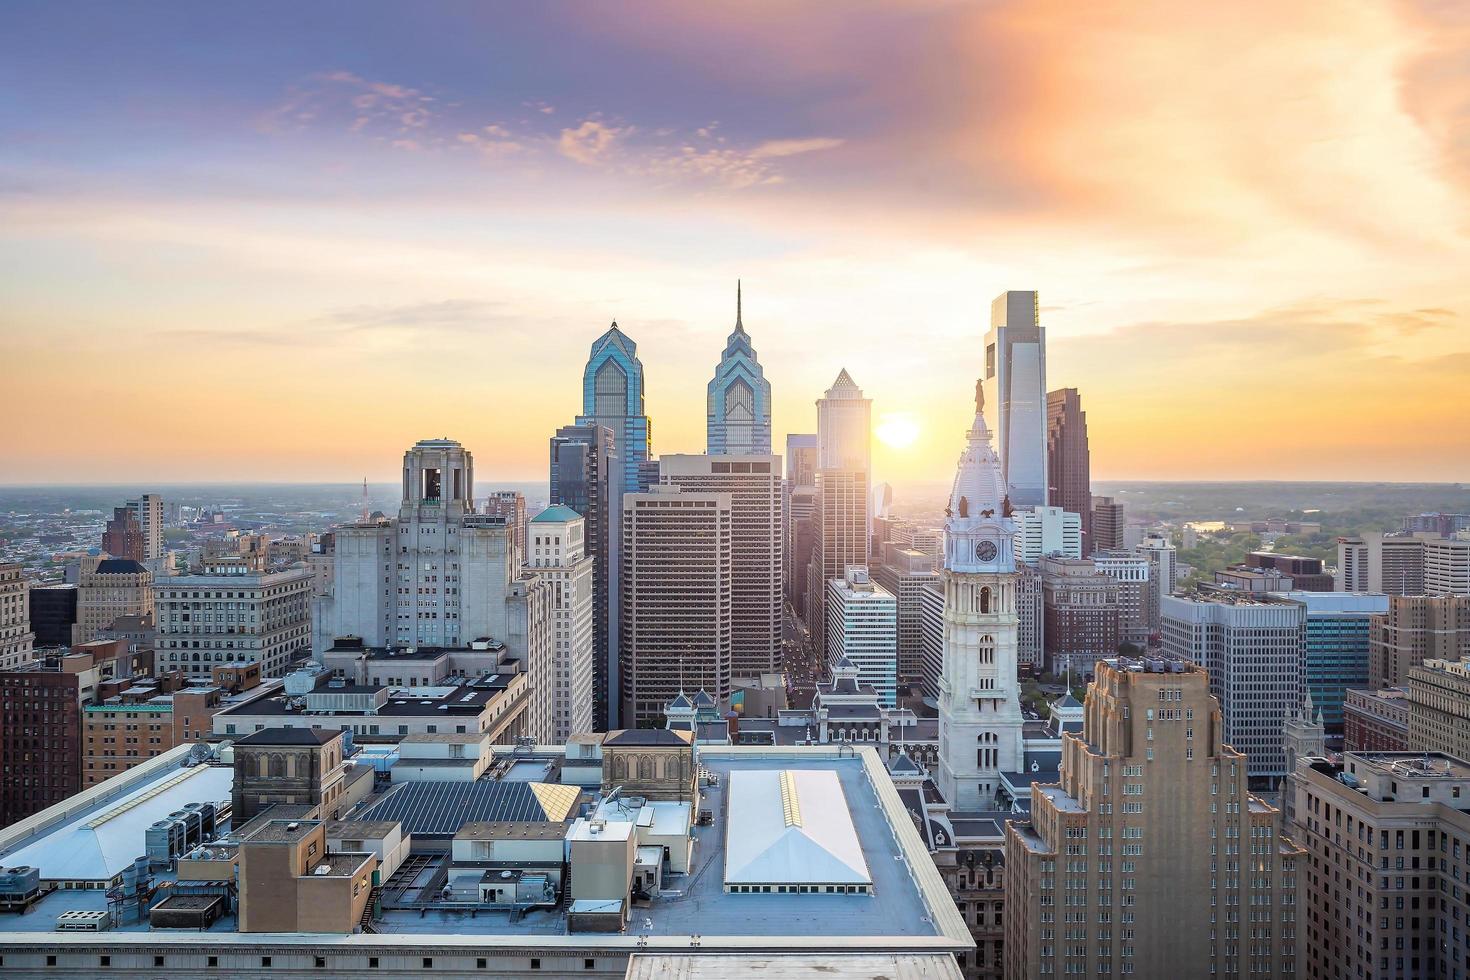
{"x":790,"y":830}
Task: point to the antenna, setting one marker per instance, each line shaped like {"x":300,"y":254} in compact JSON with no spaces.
{"x":365,"y":511}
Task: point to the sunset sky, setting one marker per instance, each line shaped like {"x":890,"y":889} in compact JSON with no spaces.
{"x":283,"y":241}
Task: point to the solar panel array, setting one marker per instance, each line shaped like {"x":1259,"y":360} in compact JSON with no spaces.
{"x":444,"y":807}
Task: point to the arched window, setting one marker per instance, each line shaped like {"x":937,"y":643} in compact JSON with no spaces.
{"x":645,"y":767}
{"x":985,"y":599}
{"x":278,"y":764}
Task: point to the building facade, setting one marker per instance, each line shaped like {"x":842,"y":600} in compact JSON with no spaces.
{"x":17,"y":638}
{"x":558,"y":554}
{"x":862,"y":631}
{"x":1131,"y":571}
{"x":106,"y":589}
{"x":1108,"y":522}
{"x":53,"y":613}
{"x":1152,"y":822}
{"x":739,"y":396}
{"x":1376,"y":721}
{"x":1447,"y":566}
{"x":906,"y":574}
{"x":148,"y":510}
{"x":1068,"y":460}
{"x":754,"y":486}
{"x":122,"y":537}
{"x":227,"y":613}
{"x":842,"y":516}
{"x":677,"y":599}
{"x":1042,"y":531}
{"x":1392,"y":564}
{"x":1080,"y":615}
{"x":510,"y":505}
{"x":1415,"y":629}
{"x":612,"y":396}
{"x":1015,"y":384}
{"x":1439,"y":707}
{"x":980,"y":724}
{"x":1335,"y":646}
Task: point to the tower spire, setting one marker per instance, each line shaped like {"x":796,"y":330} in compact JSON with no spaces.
{"x":739,"y":326}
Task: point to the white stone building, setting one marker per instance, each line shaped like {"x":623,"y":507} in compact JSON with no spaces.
{"x":862,"y":629}
{"x":557,"y":549}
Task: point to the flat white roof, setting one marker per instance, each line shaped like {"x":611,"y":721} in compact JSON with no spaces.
{"x":791,"y":826}
{"x":582,"y":829}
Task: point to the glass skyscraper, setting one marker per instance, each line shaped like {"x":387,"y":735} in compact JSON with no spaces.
{"x":1015,"y":383}
{"x":612,"y":395}
{"x":739,"y":421}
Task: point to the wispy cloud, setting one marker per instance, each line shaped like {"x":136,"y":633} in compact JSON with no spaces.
{"x":590,"y":142}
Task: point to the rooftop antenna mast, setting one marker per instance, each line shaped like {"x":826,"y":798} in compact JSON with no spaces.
{"x":365,"y":512}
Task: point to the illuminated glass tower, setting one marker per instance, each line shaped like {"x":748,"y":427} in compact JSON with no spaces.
{"x":739,"y":420}
{"x":1015,"y":383}
{"x":612,"y":395}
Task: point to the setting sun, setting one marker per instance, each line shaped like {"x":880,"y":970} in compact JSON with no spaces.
{"x":897,"y":430}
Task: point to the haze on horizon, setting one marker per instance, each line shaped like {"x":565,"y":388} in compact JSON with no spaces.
{"x":283,"y":242}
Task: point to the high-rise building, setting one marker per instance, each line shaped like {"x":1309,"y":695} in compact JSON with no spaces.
{"x":931,"y":631}
{"x":1131,"y":571}
{"x":842,"y":516}
{"x":862,"y":631}
{"x":1391,"y":564}
{"x":148,"y":509}
{"x":1394,"y":826}
{"x":1439,"y":707}
{"x":1081,"y":615}
{"x":1163,"y":575}
{"x":801,"y":459}
{"x":905,"y":574}
{"x":1042,"y":531}
{"x":17,"y":639}
{"x":754,"y":485}
{"x":53,"y":613}
{"x":587,"y":476}
{"x":1376,"y":721}
{"x":510,"y":505}
{"x":1253,"y":648}
{"x":1068,"y":462}
{"x":123,"y":535}
{"x":228,"y":612}
{"x":1151,"y":822}
{"x":739,"y":422}
{"x":558,"y":554}
{"x":1444,"y":525}
{"x":1447,"y":566}
{"x":612,"y":395}
{"x":1108,"y":523}
{"x":106,"y":589}
{"x":1030,"y":618}
{"x":979,"y":708}
{"x":677,"y":599}
{"x":1335,"y":647}
{"x":1015,"y":384}
{"x":800,"y":502}
{"x":1415,"y":629}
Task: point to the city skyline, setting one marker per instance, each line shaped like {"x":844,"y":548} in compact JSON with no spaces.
{"x":403,"y":225}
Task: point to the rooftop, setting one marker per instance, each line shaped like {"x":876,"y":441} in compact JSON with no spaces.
{"x":289,"y":736}
{"x":442,"y":808}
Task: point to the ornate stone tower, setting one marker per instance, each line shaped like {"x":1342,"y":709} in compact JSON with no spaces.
{"x":979,"y":711}
{"x":1301,"y":736}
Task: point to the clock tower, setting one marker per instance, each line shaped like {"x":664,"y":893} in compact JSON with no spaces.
{"x":979,"y":708}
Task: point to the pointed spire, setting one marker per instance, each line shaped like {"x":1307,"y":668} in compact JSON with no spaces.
{"x":739,"y":326}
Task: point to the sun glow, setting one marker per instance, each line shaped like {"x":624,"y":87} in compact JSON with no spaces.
{"x":898,"y":430}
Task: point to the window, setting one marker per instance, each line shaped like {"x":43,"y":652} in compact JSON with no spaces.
{"x":50,"y":961}
{"x":535,"y":964}
{"x":373,"y":962}
{"x":320,"y":962}
{"x":265,"y":961}
{"x":588,"y":964}
{"x":428,"y":962}
{"x":158,"y":961}
{"x":213,"y":961}
{"x":104,"y":961}
{"x":481,"y":963}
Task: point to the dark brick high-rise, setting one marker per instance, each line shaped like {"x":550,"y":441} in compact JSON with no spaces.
{"x":1068,"y":463}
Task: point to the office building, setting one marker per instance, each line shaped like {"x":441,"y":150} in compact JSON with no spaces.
{"x":979,"y":708}
{"x":1335,"y":647}
{"x":906,"y":574}
{"x":227,"y":612}
{"x":1391,"y":564}
{"x":862,"y":631}
{"x":754,"y":486}
{"x":931,"y":635}
{"x":1108,"y":523}
{"x":677,"y":598}
{"x":1042,"y":531}
{"x":1131,"y":571}
{"x":1163,"y":576}
{"x":739,"y":422}
{"x":1415,"y":629}
{"x":106,"y":589}
{"x":612,"y":396}
{"x":1376,"y":721}
{"x":1307,"y":574}
{"x":53,"y":613}
{"x":842,"y":517}
{"x":1068,"y":461}
{"x":1385,"y":834}
{"x":559,"y":556}
{"x":144,"y":720}
{"x":1447,"y":566}
{"x":1439,"y":707}
{"x":123,"y":535}
{"x":1081,"y":615}
{"x":1253,"y":648}
{"x":17,"y":639}
{"x":148,"y":510}
{"x":1444,"y":525}
{"x":1030,"y":619}
{"x":587,"y":476}
{"x":1152,"y":822}
{"x":1015,"y":387}
{"x":802,"y":459}
{"x":510,"y":506}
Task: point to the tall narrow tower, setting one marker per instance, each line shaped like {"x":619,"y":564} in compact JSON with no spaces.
{"x":979,"y":711}
{"x":739,"y":421}
{"x":612,"y":395}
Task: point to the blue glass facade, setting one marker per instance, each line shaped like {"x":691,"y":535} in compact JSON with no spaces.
{"x":739,"y":419}
{"x":612,"y":395}
{"x":1337,"y":658}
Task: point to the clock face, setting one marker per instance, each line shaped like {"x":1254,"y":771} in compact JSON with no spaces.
{"x":985,"y":551}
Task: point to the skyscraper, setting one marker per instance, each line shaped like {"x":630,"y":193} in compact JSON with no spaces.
{"x":587,"y":476}
{"x":1151,"y":822}
{"x":800,"y":502}
{"x":1068,"y":462}
{"x":979,"y":709}
{"x":148,"y":509}
{"x":754,"y":485}
{"x":1107,"y":524}
{"x":1413,"y":630}
{"x":739,"y":421}
{"x":801,"y":459}
{"x":862,"y":631}
{"x":612,"y":395}
{"x":231,"y":611}
{"x":123,"y":536}
{"x":1374,"y":562}
{"x":557,"y":551}
{"x":511,"y":505}
{"x":842,"y":517}
{"x":17,"y":639}
{"x":1015,"y":385}
{"x":677,"y":562}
